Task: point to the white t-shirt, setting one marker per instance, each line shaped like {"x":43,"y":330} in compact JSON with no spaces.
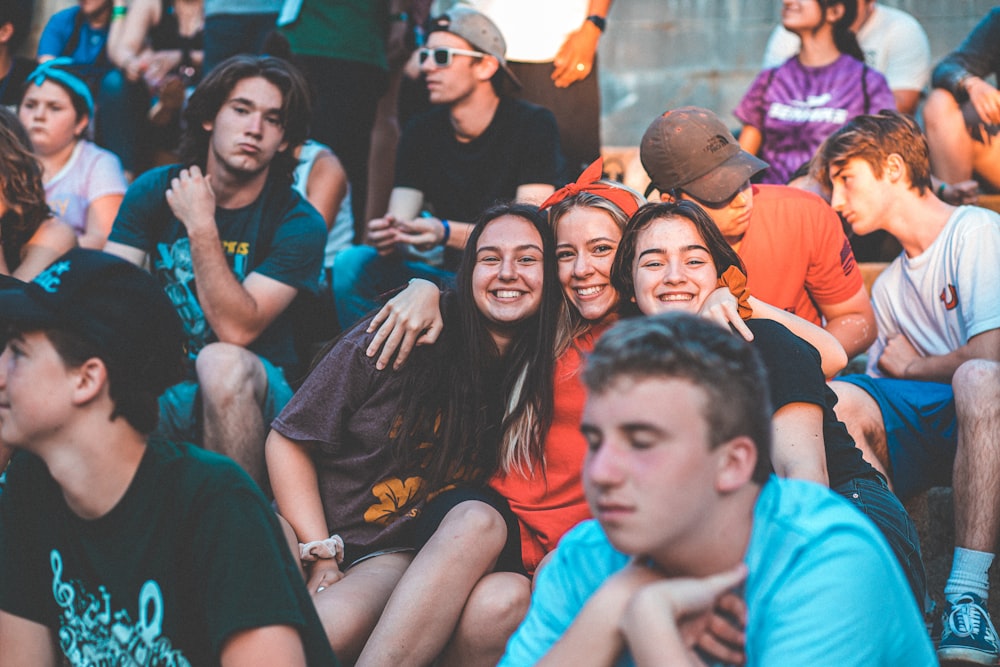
{"x":947,"y":294}
{"x":90,"y":173}
{"x":894,"y":43}
{"x":534,"y":30}
{"x":342,"y":232}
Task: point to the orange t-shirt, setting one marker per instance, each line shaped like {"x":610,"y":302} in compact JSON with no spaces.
{"x":796,"y":253}
{"x":548,"y":504}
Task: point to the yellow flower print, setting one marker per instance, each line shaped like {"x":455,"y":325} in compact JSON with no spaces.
{"x":393,"y":494}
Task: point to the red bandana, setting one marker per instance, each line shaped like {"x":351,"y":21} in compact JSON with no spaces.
{"x":587,"y":182}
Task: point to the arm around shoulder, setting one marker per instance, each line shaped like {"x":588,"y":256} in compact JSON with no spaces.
{"x":831,"y":352}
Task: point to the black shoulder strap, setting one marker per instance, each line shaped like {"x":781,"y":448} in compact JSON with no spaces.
{"x":74,"y":38}
{"x":763,"y":99}
{"x":864,"y":88}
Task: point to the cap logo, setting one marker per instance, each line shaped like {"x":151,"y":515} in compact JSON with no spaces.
{"x":716,"y":144}
{"x":49,"y":279}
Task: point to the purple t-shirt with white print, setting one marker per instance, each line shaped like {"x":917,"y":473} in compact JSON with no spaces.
{"x":797,"y":107}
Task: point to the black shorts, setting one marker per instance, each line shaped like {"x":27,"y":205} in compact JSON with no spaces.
{"x":433,"y":513}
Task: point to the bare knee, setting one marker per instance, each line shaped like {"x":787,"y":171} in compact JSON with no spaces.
{"x":939,"y":106}
{"x":501,"y":598}
{"x":226,"y":371}
{"x":474,"y":523}
{"x":977,"y":383}
{"x":497,"y":605}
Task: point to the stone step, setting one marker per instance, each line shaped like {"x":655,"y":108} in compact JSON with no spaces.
{"x":933,"y":514}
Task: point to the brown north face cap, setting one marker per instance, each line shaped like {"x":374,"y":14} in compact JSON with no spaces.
{"x":690,"y":149}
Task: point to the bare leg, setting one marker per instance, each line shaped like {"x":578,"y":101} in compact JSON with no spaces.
{"x":863,"y":418}
{"x":496,"y":607}
{"x":293,"y":543}
{"x":947,"y":138}
{"x":350,"y":608}
{"x":986,"y":161}
{"x":425,"y":607}
{"x":976,"y":477}
{"x":382,"y":154}
{"x":233,"y":387}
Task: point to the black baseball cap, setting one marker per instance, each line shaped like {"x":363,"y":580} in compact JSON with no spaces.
{"x":690,"y":149}
{"x":110,"y":303}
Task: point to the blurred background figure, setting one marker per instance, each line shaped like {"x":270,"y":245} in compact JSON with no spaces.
{"x":30,"y":238}
{"x":157,"y":50}
{"x":84,"y":184}
{"x":15,"y":22}
{"x":893,"y":42}
{"x":962,"y":113}
{"x":79,"y":33}
{"x":790,"y":109}
{"x":552,"y":49}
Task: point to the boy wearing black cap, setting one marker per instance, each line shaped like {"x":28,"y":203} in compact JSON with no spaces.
{"x":126,"y":550}
{"x":478,"y":146}
{"x":792,"y":243}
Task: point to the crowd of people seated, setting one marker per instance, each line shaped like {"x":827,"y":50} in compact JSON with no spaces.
{"x":257,"y":410}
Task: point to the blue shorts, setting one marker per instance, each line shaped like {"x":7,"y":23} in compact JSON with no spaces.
{"x":921,"y":430}
{"x":181,"y":413}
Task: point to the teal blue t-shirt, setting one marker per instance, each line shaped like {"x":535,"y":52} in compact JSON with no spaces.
{"x":278,"y":235}
{"x":820,"y":575}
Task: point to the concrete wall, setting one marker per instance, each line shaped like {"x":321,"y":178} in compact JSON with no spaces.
{"x":660,"y":54}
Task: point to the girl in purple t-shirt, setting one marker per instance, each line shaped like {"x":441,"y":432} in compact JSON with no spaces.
{"x":789,"y":110}
{"x":84,"y":184}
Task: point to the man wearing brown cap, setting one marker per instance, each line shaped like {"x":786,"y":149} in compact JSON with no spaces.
{"x":478,"y":146}
{"x":792,"y":243}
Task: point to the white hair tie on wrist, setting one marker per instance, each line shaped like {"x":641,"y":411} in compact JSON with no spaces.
{"x":331,"y":547}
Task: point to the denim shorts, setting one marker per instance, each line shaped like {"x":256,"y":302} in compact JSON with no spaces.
{"x":921,"y":430}
{"x":872,"y":496}
{"x":181,"y":413}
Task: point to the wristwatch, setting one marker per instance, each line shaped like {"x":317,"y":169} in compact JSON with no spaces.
{"x":598,"y":21}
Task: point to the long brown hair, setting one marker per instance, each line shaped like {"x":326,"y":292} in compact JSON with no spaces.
{"x":21,"y":190}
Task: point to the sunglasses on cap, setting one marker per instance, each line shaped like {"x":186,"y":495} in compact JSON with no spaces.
{"x":443,"y":55}
{"x":715,"y":206}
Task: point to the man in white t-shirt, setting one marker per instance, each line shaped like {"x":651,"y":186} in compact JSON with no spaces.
{"x":928,"y":409}
{"x":894,"y":43}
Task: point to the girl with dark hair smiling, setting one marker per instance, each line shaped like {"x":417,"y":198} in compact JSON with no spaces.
{"x":396,"y":463}
{"x":672,"y":258}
